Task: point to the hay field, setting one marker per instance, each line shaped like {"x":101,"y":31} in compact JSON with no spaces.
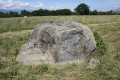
{"x":16,"y":31}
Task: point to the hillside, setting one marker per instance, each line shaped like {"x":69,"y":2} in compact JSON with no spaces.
{"x":116,"y":10}
{"x":19,"y":11}
{"x":3,"y":10}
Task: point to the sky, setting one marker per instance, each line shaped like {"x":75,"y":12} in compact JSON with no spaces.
{"x":100,"y":5}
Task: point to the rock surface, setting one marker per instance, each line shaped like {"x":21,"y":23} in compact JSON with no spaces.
{"x":93,"y":63}
{"x":57,"y":41}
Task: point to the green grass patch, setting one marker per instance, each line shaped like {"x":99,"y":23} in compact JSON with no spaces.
{"x":100,"y":45}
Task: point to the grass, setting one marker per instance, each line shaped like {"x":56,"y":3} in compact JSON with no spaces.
{"x":108,"y":51}
{"x":17,"y":24}
{"x":101,"y":47}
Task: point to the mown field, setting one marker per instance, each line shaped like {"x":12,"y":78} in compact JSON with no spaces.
{"x":16,"y":31}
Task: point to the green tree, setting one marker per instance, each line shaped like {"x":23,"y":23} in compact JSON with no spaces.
{"x":46,"y":12}
{"x":94,"y":12}
{"x":2,"y":14}
{"x":25,"y":13}
{"x":13,"y":14}
{"x":7,"y":14}
{"x":53,"y":13}
{"x":40,"y":12}
{"x":67,"y":12}
{"x":63,"y":12}
{"x":82,"y":9}
{"x":35,"y":13}
{"x":110,"y":12}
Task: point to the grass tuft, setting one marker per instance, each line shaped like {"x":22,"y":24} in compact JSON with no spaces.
{"x":100,"y":45}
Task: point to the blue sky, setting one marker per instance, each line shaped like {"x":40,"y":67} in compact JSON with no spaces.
{"x":100,"y":5}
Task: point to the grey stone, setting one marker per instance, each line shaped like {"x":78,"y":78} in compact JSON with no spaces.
{"x":57,"y":41}
{"x":93,"y":63}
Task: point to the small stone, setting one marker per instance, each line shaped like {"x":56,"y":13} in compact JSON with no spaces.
{"x":93,"y":63}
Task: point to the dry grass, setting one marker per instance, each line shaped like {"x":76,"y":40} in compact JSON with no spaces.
{"x":22,"y":32}
{"x":10,"y":43}
{"x":17,"y":24}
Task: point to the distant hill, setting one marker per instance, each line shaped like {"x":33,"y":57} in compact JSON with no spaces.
{"x":2,"y":10}
{"x":19,"y":11}
{"x":116,"y":10}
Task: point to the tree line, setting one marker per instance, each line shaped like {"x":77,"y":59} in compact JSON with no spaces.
{"x":81,"y":9}
{"x":40,"y":12}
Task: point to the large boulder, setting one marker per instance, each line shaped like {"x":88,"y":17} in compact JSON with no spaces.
{"x":57,"y":41}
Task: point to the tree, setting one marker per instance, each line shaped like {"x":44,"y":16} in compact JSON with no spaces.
{"x":110,"y":12}
{"x":53,"y":13}
{"x":45,"y":12}
{"x":40,"y":12}
{"x":25,"y":13}
{"x":35,"y":13}
{"x":7,"y":14}
{"x":13,"y":14}
{"x":2,"y":14}
{"x":66,"y":12}
{"x":63,"y":12}
{"x":82,"y":9}
{"x":94,"y":12}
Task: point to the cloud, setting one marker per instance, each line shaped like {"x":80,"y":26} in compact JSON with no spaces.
{"x":38,"y":6}
{"x":116,"y":6}
{"x":19,"y":5}
{"x":113,"y":4}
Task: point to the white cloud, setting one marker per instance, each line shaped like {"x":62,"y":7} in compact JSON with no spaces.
{"x":116,"y":6}
{"x":18,"y":5}
{"x":38,"y":6}
{"x":52,"y":8}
